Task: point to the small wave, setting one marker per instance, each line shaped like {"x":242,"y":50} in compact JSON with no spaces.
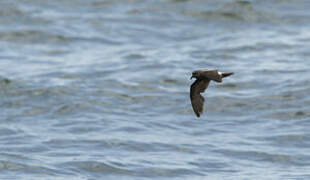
{"x":236,"y":11}
{"x":11,"y":166}
{"x":32,"y":36}
{"x":162,"y":172}
{"x":285,"y":140}
{"x":97,"y":167}
{"x":39,"y":37}
{"x":5,"y":81}
{"x":10,"y":11}
{"x":260,"y":156}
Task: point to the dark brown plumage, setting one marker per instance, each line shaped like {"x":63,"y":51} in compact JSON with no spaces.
{"x":203,"y":78}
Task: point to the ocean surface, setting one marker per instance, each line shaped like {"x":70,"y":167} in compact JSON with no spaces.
{"x":99,"y":89}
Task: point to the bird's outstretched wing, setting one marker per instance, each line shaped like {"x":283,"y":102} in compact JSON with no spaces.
{"x":199,"y":86}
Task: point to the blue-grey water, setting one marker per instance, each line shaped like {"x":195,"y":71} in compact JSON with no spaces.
{"x":99,"y":89}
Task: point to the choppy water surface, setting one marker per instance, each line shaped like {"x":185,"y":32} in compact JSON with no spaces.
{"x":99,"y":89}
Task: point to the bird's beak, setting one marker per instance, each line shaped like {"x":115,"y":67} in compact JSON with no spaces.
{"x":191,"y":77}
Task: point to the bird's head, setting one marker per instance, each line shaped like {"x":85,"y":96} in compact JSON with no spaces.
{"x":195,"y":74}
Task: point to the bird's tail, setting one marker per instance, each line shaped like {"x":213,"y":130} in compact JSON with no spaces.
{"x":227,"y":74}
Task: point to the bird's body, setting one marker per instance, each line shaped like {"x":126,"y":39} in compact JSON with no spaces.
{"x":203,"y":78}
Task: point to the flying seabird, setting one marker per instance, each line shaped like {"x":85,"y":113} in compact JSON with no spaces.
{"x":203,"y":78}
